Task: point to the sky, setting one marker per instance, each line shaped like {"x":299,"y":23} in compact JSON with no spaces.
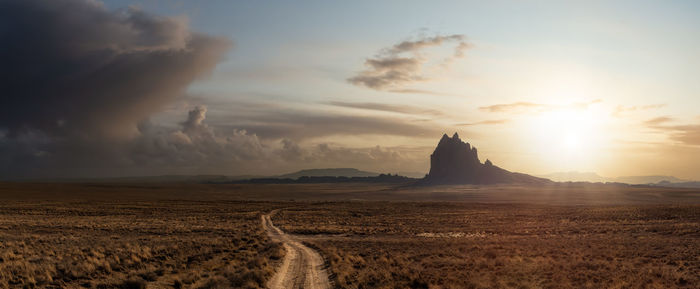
{"x":135,"y":88}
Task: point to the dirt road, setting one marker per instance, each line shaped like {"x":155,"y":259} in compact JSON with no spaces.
{"x":302,"y":267}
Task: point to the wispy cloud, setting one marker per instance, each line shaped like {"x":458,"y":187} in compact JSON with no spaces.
{"x":515,"y":106}
{"x":688,"y":134}
{"x":405,"y":109}
{"x":658,"y":120}
{"x":620,"y":110}
{"x":485,"y":122}
{"x":309,"y":124}
{"x":530,"y":107}
{"x":402,"y":64}
{"x":417,"y":91}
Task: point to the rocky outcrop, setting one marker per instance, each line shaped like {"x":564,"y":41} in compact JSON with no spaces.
{"x":457,"y":162}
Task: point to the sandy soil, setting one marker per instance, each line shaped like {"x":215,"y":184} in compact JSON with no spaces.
{"x":302,"y":267}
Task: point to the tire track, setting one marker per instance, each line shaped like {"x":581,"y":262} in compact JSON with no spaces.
{"x":302,"y":267}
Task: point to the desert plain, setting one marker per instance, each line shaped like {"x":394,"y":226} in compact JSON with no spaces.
{"x":565,"y":235}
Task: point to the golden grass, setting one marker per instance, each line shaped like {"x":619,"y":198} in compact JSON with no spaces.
{"x":447,"y":245}
{"x":134,"y":245}
{"x":210,"y":236}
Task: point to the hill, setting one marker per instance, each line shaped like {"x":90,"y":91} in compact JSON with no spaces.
{"x":574,"y":176}
{"x":332,"y":172}
{"x":190,"y":179}
{"x":457,"y":162}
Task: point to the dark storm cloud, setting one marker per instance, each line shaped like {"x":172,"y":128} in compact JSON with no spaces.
{"x":73,"y":68}
{"x":77,"y":79}
{"x":400,"y":65}
{"x":80,"y":82}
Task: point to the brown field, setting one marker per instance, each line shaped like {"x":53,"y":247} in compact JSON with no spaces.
{"x":116,"y":244}
{"x":372,"y":236}
{"x":448,"y":245}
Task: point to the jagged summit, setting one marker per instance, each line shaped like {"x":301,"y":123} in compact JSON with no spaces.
{"x":457,"y":162}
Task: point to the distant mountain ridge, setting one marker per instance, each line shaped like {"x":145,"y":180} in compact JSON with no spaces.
{"x":313,"y":173}
{"x":574,"y":176}
{"x":330,"y":172}
{"x":147,"y":179}
{"x":689,"y":185}
{"x":457,"y":162}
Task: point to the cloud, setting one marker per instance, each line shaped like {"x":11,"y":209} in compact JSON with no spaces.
{"x":417,"y":45}
{"x":658,"y":120}
{"x":309,"y":124}
{"x":485,"y":122}
{"x":405,"y":109}
{"x":80,"y":80}
{"x":620,"y":110}
{"x":516,"y":106}
{"x":195,"y":144}
{"x":82,"y":85}
{"x":72,"y":68}
{"x":198,"y":147}
{"x":417,"y":91}
{"x":530,"y":107}
{"x":384,"y":159}
{"x":400,"y":65}
{"x":688,"y":134}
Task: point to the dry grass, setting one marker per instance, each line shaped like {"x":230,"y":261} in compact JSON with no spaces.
{"x":447,"y":245}
{"x":209,"y":236}
{"x":165,"y":244}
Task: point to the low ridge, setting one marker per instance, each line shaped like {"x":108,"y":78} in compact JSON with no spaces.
{"x":457,"y":162}
{"x":330,"y":172}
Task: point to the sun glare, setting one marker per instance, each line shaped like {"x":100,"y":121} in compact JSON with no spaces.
{"x":571,"y":142}
{"x":569,"y":136}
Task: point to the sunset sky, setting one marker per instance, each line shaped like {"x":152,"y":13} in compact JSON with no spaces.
{"x":128,"y":88}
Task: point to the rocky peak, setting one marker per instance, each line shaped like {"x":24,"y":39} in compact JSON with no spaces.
{"x":457,"y":162}
{"x":453,"y":159}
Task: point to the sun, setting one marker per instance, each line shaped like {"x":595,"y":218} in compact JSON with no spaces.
{"x":568,"y":137}
{"x":571,"y":142}
{"x":566,"y":130}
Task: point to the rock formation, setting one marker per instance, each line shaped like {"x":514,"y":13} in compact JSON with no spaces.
{"x":457,"y":162}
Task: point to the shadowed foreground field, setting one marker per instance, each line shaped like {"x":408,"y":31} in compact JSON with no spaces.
{"x":371,"y":235}
{"x":163,"y":244}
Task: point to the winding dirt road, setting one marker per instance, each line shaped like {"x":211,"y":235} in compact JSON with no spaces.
{"x":302,"y":267}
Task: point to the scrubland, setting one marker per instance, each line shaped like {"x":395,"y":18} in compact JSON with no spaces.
{"x":135,"y":244}
{"x":371,"y":235}
{"x":457,"y":245}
